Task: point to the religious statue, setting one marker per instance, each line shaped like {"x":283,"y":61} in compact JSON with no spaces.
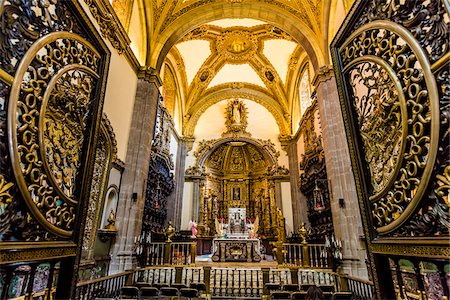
{"x":170,"y":232}
{"x":193,"y":229}
{"x":236,"y":113}
{"x":111,"y":221}
{"x":252,"y":233}
{"x":219,"y":229}
{"x":303,"y":233}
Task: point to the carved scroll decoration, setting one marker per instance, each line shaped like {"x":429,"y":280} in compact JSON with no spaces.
{"x":396,"y":100}
{"x":49,"y":109}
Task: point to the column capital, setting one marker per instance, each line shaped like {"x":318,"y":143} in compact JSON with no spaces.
{"x":189,"y":141}
{"x":325,"y":73}
{"x":150,"y":75}
{"x":285,"y":141}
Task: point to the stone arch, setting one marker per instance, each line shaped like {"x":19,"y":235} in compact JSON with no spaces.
{"x":290,"y":23}
{"x":247,"y":91}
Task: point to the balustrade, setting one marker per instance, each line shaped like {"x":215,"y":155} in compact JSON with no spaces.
{"x":304,"y":255}
{"x":165,"y":253}
{"x":224,"y":282}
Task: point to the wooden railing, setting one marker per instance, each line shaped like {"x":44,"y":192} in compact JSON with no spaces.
{"x":224,"y":282}
{"x":362,"y":289}
{"x":164,"y":253}
{"x":105,"y":287}
{"x":236,"y":282}
{"x":303,"y":255}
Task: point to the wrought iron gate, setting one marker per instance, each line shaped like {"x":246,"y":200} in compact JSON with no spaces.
{"x":53,"y":70}
{"x":391,"y":60}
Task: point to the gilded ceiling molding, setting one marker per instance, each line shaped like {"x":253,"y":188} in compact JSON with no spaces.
{"x":176,"y":62}
{"x":298,"y":61}
{"x":111,"y":29}
{"x":294,"y":22}
{"x":226,"y":91}
{"x":237,"y":45}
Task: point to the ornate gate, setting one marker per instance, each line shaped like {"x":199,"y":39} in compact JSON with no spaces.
{"x":52,"y":77}
{"x":392,"y":69}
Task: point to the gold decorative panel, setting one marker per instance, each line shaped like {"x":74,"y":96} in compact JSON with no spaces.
{"x":396,"y":100}
{"x":49,"y":108}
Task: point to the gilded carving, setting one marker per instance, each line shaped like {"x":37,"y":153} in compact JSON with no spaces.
{"x":236,"y":118}
{"x":48,"y":110}
{"x":388,"y":54}
{"x":110,"y":25}
{"x":237,"y":46}
{"x":381,"y":117}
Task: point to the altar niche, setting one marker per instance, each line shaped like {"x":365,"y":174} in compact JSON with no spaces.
{"x":237,"y":221}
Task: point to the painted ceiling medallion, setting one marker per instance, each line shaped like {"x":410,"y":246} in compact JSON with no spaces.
{"x":237,"y":46}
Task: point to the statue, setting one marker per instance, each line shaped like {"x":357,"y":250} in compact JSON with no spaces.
{"x":236,"y":113}
{"x":303,"y":232}
{"x":219,"y":228}
{"x":193,"y":229}
{"x":170,"y":232}
{"x":252,"y":233}
{"x":111,"y":221}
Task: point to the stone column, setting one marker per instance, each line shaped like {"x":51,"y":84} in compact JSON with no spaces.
{"x":346,"y":220}
{"x":177,"y":195}
{"x":132,"y":189}
{"x":299,"y":206}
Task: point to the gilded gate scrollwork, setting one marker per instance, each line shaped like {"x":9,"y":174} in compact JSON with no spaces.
{"x":52,"y":80}
{"x":407,"y":128}
{"x":48,"y":133}
{"x":392,"y":65}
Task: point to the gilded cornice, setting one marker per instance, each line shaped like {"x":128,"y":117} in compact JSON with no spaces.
{"x":325,"y":73}
{"x":33,"y":251}
{"x":111,"y":29}
{"x":150,"y":75}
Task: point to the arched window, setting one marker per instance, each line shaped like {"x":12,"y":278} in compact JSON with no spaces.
{"x":304,"y":91}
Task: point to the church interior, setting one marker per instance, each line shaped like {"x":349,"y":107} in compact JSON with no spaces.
{"x":224,"y":149}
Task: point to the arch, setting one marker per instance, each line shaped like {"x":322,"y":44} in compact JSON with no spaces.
{"x":263,"y":147}
{"x":245,"y":91}
{"x":110,"y":202}
{"x":269,"y":13}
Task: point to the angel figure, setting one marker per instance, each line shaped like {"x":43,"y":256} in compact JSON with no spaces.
{"x":193,"y":226}
{"x":252,"y":233}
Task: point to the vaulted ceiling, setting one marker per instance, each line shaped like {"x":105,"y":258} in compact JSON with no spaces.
{"x":220,"y":49}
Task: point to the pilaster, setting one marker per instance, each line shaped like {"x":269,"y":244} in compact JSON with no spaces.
{"x":346,"y":218}
{"x":133,"y":186}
